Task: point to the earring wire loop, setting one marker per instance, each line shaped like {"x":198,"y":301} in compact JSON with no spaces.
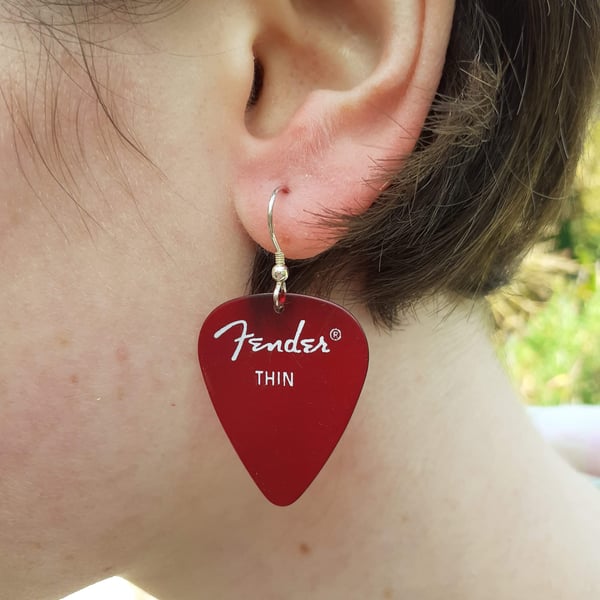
{"x":279,"y":256}
{"x":280,"y":270}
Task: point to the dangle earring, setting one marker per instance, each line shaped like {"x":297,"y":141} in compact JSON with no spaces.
{"x":284,"y":373}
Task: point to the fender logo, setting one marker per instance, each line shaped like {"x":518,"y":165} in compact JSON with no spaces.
{"x":295,"y":345}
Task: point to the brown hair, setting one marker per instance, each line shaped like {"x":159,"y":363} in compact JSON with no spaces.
{"x":490,"y":171}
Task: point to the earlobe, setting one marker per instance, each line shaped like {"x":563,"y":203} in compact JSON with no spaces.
{"x":346,"y":88}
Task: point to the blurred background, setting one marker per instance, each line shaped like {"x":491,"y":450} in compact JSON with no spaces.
{"x":114,"y":588}
{"x":547,"y":322}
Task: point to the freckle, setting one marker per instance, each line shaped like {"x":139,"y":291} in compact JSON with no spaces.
{"x":388,"y":593}
{"x":37,"y":545}
{"x":304,"y":549}
{"x":173,"y":404}
{"x":107,"y":569}
{"x":158,"y":384}
{"x":63,"y":341}
{"x":69,"y":557}
{"x":120,"y":393}
{"x":74,"y":378}
{"x":122,"y":353}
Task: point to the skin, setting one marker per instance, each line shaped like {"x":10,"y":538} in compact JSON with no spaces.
{"x":111,"y":459}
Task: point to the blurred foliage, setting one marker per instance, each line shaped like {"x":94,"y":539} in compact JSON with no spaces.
{"x":548,"y":319}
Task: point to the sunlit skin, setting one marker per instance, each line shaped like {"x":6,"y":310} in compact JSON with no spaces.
{"x":111,"y":458}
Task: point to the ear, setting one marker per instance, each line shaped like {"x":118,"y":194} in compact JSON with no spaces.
{"x":341,"y":87}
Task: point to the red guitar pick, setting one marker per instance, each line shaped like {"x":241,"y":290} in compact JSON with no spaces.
{"x":284,"y":386}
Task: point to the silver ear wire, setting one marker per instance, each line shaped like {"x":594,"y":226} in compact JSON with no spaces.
{"x":279,"y":272}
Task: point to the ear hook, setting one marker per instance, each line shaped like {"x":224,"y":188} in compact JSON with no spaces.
{"x":279,"y":272}
{"x":278,"y":250}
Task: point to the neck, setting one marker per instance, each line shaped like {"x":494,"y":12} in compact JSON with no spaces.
{"x":439,"y":483}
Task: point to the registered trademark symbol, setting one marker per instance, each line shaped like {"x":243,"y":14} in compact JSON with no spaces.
{"x":335,"y":334}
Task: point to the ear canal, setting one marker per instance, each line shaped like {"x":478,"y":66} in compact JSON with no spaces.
{"x":338,"y":100}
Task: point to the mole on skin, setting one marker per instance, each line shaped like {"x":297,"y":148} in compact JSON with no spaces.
{"x":304,"y":548}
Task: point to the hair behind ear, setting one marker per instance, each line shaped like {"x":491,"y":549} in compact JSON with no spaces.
{"x":490,"y":171}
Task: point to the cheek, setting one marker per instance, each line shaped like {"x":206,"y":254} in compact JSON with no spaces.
{"x":102,"y":415}
{"x":104,"y":419}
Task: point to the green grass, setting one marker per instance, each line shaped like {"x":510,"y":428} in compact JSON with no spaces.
{"x":556,"y":359}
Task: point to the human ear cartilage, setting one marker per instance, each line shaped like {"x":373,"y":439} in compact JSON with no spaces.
{"x":284,"y":373}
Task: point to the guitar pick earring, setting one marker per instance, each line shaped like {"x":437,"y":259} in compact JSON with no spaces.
{"x":284,"y":373}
